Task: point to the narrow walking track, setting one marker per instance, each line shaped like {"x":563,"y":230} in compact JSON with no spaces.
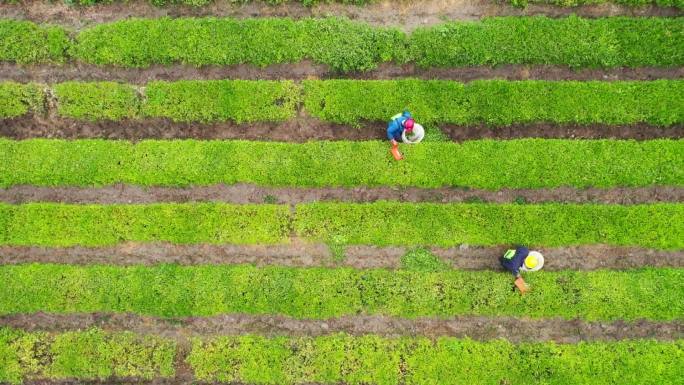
{"x":305,"y":128}
{"x":308,"y":70}
{"x":300,"y":253}
{"x":477,"y":328}
{"x":405,"y":15}
{"x":249,"y":193}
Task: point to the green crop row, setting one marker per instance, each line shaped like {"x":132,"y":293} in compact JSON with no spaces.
{"x":94,"y":225}
{"x":491,"y":102}
{"x":489,"y":164}
{"x":344,"y":359}
{"x":188,"y":101}
{"x":347,"y":46}
{"x":337,"y":358}
{"x":87,"y":355}
{"x":497,"y":102}
{"x":321,"y":293}
{"x":20,"y":99}
{"x":25,"y":42}
{"x":49,"y":224}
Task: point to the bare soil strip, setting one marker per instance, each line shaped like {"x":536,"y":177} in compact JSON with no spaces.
{"x":304,"y":128}
{"x":308,"y":70}
{"x":401,"y":14}
{"x":475,"y":327}
{"x":300,"y":253}
{"x":249,"y":193}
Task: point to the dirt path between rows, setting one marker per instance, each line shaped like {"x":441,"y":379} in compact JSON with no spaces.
{"x":304,"y":128}
{"x":300,"y":253}
{"x":407,"y":15}
{"x":249,"y":193}
{"x":475,"y":327}
{"x":308,"y":70}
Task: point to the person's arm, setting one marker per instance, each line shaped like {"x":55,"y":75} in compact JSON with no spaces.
{"x":407,"y":114}
{"x":520,"y":284}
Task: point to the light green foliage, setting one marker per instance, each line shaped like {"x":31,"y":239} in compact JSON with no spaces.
{"x":342,"y":44}
{"x":220,"y":100}
{"x":86,"y":355}
{"x":188,"y":101}
{"x":497,"y":102}
{"x":572,"y":41}
{"x":25,"y":42}
{"x":489,"y":164}
{"x":321,"y":293}
{"x":20,"y":99}
{"x":433,"y":102}
{"x":93,"y":225}
{"x":421,"y":259}
{"x":97,"y":101}
{"x":658,"y":226}
{"x":371,"y":359}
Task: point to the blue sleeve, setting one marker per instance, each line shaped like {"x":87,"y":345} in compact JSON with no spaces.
{"x":391,"y":129}
{"x":407,"y":114}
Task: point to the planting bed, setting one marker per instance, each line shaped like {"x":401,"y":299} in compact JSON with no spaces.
{"x":140,"y":242}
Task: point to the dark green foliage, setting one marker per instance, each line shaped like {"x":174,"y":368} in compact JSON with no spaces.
{"x":93,"y":225}
{"x":321,"y":293}
{"x":24,"y":42}
{"x":658,"y":226}
{"x":85,"y":355}
{"x":242,"y":101}
{"x":342,"y":44}
{"x":97,"y":101}
{"x":344,"y":359}
{"x":421,"y":259}
{"x":572,"y":41}
{"x":497,"y":102}
{"x":490,"y":164}
{"x":348,"y":46}
{"x":20,"y":99}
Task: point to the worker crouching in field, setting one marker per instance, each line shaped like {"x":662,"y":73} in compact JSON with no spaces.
{"x":396,"y":127}
{"x":522,"y":259}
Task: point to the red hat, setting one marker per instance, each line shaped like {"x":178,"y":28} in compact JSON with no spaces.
{"x":408,"y":124}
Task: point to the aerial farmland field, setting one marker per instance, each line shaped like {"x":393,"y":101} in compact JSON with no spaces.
{"x":229,"y":192}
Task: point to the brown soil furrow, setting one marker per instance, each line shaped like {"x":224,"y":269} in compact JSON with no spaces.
{"x":405,"y":15}
{"x":248,"y":193}
{"x":308,"y":70}
{"x":303,"y":254}
{"x":304,"y":128}
{"x":475,"y":327}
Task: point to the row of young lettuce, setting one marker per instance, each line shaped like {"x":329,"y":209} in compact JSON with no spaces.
{"x":352,"y":102}
{"x":347,"y":46}
{"x":488,"y":164}
{"x":95,"y":354}
{"x":50,"y":224}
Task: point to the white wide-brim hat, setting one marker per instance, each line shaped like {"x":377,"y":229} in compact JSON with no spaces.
{"x":418,"y":134}
{"x":540,"y":262}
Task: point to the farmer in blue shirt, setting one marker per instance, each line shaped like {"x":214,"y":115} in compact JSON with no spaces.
{"x":399,"y":123}
{"x":521,"y":258}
